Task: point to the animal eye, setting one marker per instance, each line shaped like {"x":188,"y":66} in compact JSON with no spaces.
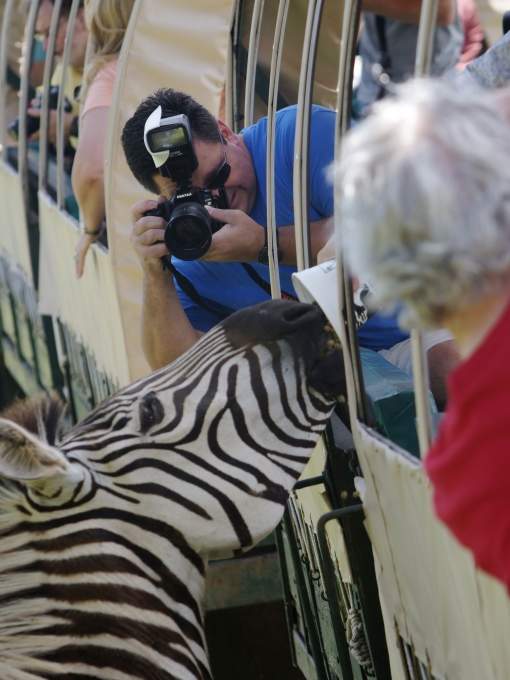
{"x":151,"y":412}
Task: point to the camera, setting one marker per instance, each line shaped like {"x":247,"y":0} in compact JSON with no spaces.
{"x":189,"y":227}
{"x":33,"y":122}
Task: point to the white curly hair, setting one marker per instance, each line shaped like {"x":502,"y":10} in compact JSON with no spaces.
{"x":424,"y":195}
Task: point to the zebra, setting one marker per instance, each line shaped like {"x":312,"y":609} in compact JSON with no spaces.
{"x":105,"y":534}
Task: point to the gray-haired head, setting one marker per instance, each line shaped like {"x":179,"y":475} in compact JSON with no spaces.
{"x":424,"y":188}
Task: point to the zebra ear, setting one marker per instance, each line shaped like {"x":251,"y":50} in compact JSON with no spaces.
{"x":24,"y":457}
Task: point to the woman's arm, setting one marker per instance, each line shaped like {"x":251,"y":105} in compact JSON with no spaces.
{"x":88,"y":179}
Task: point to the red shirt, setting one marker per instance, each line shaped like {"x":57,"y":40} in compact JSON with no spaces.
{"x":469,"y":462}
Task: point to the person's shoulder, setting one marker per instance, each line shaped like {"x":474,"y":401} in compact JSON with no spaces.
{"x":108,"y":72}
{"x":322,"y":112}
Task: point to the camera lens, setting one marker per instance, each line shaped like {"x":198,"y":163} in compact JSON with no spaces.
{"x":188,"y":232}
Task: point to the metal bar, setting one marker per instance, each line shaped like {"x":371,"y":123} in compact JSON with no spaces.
{"x":348,"y":39}
{"x":6,"y":23}
{"x":231,"y":86}
{"x":251,"y":65}
{"x":300,"y":175}
{"x":426,"y":30}
{"x":421,"y":392}
{"x":287,"y":594}
{"x":403,"y":654}
{"x":350,"y":23}
{"x":309,"y":621}
{"x":274,"y":80}
{"x":331,"y":586}
{"x":45,"y":115}
{"x":61,"y":99}
{"x":23,"y":97}
{"x":310,"y":481}
{"x":428,"y":19}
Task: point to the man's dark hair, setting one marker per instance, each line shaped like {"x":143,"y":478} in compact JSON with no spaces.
{"x":203,"y":124}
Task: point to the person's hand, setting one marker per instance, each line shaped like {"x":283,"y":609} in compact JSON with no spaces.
{"x":147,"y":235}
{"x":239,"y":240}
{"x":52,"y":125}
{"x":327,"y":252}
{"x":80,"y":253}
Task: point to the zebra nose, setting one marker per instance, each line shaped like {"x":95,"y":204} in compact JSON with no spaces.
{"x":299,"y":314}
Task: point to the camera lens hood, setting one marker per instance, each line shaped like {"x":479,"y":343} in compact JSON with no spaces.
{"x":188,"y":233}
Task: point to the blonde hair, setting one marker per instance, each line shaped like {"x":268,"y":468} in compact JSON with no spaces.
{"x":107,"y":21}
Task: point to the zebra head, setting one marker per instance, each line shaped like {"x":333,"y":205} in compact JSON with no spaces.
{"x":104,"y":535}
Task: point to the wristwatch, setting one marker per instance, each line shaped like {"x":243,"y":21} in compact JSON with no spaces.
{"x":263,"y":257}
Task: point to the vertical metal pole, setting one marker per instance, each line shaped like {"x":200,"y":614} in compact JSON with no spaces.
{"x":231,"y":86}
{"x":350,"y":23}
{"x":6,"y":24}
{"x":426,"y":31}
{"x":48,"y":71}
{"x":274,"y":79}
{"x":24,"y":93}
{"x":251,"y":65}
{"x":300,"y":177}
{"x":61,"y":99}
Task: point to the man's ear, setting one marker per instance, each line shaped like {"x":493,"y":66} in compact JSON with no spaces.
{"x":226,"y":132}
{"x":23,"y":457}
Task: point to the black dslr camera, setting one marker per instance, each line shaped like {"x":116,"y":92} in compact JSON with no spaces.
{"x":33,"y":122}
{"x":189,"y":227}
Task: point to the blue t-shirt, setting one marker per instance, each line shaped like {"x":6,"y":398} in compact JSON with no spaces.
{"x":228,"y":285}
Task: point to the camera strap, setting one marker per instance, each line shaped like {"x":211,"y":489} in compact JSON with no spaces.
{"x":210,"y":305}
{"x":255,"y":276}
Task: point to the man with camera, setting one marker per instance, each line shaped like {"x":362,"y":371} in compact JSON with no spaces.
{"x":214,"y":224}
{"x":232,"y":271}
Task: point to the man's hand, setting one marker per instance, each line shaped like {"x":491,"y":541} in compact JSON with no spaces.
{"x":239,"y":240}
{"x":147,"y":235}
{"x":328,"y":252}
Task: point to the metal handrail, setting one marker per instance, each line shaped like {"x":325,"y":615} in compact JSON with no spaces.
{"x":425,"y":42}
{"x":6,"y":23}
{"x":330,"y":584}
{"x":274,"y":79}
{"x":428,"y":19}
{"x":251,"y":64}
{"x":24,"y":94}
{"x":45,"y":114}
{"x":231,"y":85}
{"x":348,"y":38}
{"x":300,"y":175}
{"x":309,"y":619}
{"x":71,"y":23}
{"x":350,"y":23}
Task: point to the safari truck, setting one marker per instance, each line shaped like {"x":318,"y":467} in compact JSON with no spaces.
{"x":371,"y":584}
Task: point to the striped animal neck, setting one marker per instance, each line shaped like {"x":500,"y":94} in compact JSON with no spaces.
{"x":96,"y":571}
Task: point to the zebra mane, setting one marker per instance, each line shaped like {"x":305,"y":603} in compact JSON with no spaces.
{"x":42,"y":415}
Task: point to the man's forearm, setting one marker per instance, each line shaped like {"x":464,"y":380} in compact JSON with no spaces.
{"x":166,"y":330}
{"x":320,"y":231}
{"x":408,"y":11}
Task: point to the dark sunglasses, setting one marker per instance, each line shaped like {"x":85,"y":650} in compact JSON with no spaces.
{"x":221,"y":174}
